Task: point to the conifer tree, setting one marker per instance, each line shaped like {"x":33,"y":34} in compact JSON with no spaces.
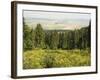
{"x":54,"y":40}
{"x":39,"y":36}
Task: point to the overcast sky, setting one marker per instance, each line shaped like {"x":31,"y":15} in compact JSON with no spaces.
{"x":64,"y":19}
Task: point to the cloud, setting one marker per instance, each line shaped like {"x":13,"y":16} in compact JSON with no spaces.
{"x":56,"y":20}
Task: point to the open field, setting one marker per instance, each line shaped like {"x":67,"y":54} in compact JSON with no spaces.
{"x":39,"y":58}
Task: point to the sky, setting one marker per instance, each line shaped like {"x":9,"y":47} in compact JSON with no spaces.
{"x":56,"y":20}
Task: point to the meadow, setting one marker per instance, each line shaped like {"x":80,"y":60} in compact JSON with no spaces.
{"x":47,"y":58}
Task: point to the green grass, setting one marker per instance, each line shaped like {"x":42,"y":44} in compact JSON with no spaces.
{"x":39,"y":58}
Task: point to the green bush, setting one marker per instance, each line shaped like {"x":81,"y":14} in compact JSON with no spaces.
{"x":39,"y":58}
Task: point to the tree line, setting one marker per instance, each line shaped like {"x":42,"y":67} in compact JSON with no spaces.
{"x":56,"y":39}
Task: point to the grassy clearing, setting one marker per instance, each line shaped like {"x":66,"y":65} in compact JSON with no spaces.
{"x":39,"y":58}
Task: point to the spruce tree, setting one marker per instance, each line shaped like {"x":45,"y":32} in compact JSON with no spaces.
{"x":27,"y":38}
{"x":54,"y":40}
{"x":39,"y":36}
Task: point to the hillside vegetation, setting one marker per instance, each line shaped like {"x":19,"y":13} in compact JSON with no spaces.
{"x":56,"y":48}
{"x":56,"y":58}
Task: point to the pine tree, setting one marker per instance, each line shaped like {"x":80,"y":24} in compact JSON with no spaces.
{"x":47,"y":39}
{"x":27,"y":38}
{"x":54,"y":40}
{"x":65,"y":40}
{"x":89,"y":35}
{"x":39,"y":36}
{"x":60,"y":40}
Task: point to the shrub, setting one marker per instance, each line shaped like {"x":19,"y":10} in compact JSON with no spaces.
{"x":39,"y":58}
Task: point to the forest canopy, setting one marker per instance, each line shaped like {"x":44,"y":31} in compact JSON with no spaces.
{"x":56,"y":39}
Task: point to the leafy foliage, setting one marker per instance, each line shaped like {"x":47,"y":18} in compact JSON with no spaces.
{"x":56,"y":58}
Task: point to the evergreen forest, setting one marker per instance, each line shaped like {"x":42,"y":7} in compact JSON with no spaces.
{"x":56,"y":48}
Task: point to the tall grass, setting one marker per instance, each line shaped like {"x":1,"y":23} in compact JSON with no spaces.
{"x":39,"y":58}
